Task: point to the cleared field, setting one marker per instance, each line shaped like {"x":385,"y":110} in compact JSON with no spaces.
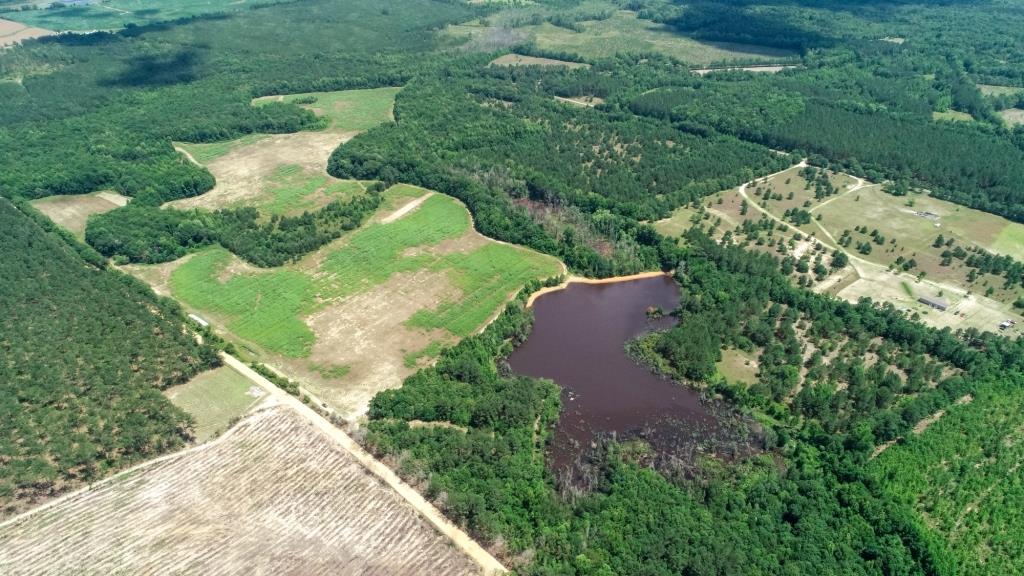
{"x":395,"y":287}
{"x":757,"y":69}
{"x":272,"y":496}
{"x":519,"y":60}
{"x":72,"y":212}
{"x":992,"y":90}
{"x":14,"y":32}
{"x":966,"y":487}
{"x":214,"y":399}
{"x":952,"y":116}
{"x":1013,"y":116}
{"x":738,"y":366}
{"x":287,"y":173}
{"x":625,"y":33}
{"x":114,"y":14}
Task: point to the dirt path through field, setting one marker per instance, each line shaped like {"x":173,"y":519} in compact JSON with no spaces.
{"x":487,"y":562}
{"x":406,"y":209}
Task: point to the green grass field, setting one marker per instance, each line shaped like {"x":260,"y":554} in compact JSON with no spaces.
{"x":291,"y":190}
{"x":267,"y":307}
{"x":952,"y":116}
{"x":967,"y":487}
{"x":114,"y":14}
{"x":625,"y":33}
{"x":214,"y":399}
{"x":992,"y":90}
{"x":346,"y":109}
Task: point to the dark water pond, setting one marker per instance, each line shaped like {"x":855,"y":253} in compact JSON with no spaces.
{"x":578,"y":341}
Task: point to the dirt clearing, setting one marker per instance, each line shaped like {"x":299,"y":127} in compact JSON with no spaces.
{"x":273,"y":496}
{"x":517,"y":60}
{"x":72,"y":212}
{"x":14,"y":32}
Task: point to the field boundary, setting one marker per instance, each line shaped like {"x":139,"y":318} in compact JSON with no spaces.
{"x":459,"y":538}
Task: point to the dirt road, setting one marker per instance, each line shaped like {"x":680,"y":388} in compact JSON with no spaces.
{"x":487,"y":562}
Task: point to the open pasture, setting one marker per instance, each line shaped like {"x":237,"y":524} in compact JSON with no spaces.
{"x":915,"y":227}
{"x":344,"y":110}
{"x":73,"y":211}
{"x":274,"y":495}
{"x":115,"y":14}
{"x":215,"y":399}
{"x":394,"y":287}
{"x":992,"y":90}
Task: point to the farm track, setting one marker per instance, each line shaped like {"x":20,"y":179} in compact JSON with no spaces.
{"x":283,"y":492}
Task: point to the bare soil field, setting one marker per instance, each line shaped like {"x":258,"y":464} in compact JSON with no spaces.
{"x":72,"y":212}
{"x":272,"y":496}
{"x":758,"y":69}
{"x":14,"y":32}
{"x":242,"y":173}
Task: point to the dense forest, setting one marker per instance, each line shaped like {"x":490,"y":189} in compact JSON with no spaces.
{"x":86,"y":352}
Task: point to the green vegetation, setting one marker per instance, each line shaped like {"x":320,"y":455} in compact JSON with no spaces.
{"x":86,"y":351}
{"x":214,"y":399}
{"x":430,"y":351}
{"x":966,"y":486}
{"x":293,"y":191}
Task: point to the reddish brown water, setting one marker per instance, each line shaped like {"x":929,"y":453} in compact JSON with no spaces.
{"x":578,"y":341}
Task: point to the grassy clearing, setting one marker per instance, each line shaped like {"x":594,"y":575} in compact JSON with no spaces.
{"x":214,"y":399}
{"x":432,"y":350}
{"x":625,"y":33}
{"x":1013,"y":116}
{"x":114,"y":14}
{"x":519,"y":60}
{"x":992,"y":90}
{"x":72,"y":212}
{"x":952,"y":116}
{"x":966,"y":487}
{"x":346,"y":109}
{"x":680,"y":221}
{"x":738,"y":366}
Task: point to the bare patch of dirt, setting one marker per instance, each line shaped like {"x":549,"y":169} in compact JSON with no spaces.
{"x":240,"y":174}
{"x":367,"y":332}
{"x":73,"y":211}
{"x":158,"y":276}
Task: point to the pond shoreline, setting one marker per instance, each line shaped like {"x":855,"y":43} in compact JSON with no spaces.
{"x":583,"y":280}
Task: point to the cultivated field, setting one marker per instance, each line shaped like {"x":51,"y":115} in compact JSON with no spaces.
{"x":13,"y":32}
{"x":274,"y":495}
{"x":215,"y":399}
{"x":287,"y":173}
{"x":73,"y":211}
{"x":347,"y":319}
{"x":114,"y":14}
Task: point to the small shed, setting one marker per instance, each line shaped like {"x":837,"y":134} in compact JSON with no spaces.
{"x":940,"y":304}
